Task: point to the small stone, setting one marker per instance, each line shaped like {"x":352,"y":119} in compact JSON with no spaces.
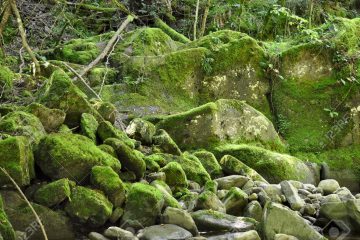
{"x":97,"y":236}
{"x":254,"y":210}
{"x":231,"y":181}
{"x":156,"y":176}
{"x":164,"y":232}
{"x":329,"y":186}
{"x":281,"y":236}
{"x":235,"y":201}
{"x":116,"y":215}
{"x":291,"y":194}
{"x":209,"y":200}
{"x":249,"y":235}
{"x":181,"y":218}
{"x":119,"y":233}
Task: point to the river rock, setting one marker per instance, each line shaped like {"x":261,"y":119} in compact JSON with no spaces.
{"x":292,"y":196}
{"x":231,"y":181}
{"x":181,"y":218}
{"x":164,"y":232}
{"x":329,"y":186}
{"x":249,"y":235}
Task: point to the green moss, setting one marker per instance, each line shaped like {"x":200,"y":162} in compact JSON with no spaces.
{"x":100,"y":75}
{"x":54,"y":193}
{"x":107,"y":130}
{"x":143,"y":205}
{"x":170,"y":31}
{"x":141,"y":130}
{"x":107,"y":110}
{"x":108,"y":149}
{"x":165,"y":143}
{"x":107,"y":180}
{"x":71,"y":156}
{"x":128,"y":157}
{"x":89,"y":126}
{"x":169,"y":200}
{"x":81,"y":51}
{"x":157,"y":158}
{"x":151,"y":164}
{"x":210,"y":163}
{"x":23,"y":124}
{"x":274,"y":167}
{"x":17,"y":159}
{"x":6,"y":229}
{"x":6,"y":79}
{"x":51,"y":119}
{"x":89,"y":207}
{"x":59,"y":92}
{"x":175,"y":175}
{"x":232,"y":165}
{"x":211,"y":186}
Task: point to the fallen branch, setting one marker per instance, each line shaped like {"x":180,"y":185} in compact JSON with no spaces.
{"x":108,"y":47}
{"x":27,"y":201}
{"x":171,"y":32}
{"x":196,"y":18}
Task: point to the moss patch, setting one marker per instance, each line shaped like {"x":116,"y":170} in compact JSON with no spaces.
{"x":54,"y":193}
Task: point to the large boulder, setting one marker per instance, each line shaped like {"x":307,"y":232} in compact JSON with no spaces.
{"x":17,"y":159}
{"x":20,"y":123}
{"x":220,"y":122}
{"x":88,"y":206}
{"x":274,"y":167}
{"x":143,"y":206}
{"x":56,"y":224}
{"x":51,"y":119}
{"x":71,"y":156}
{"x":280,"y":219}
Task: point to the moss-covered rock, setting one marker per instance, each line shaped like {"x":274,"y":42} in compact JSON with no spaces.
{"x":6,"y":79}
{"x":20,"y":123}
{"x":151,"y":164}
{"x":165,"y":143}
{"x":107,"y":130}
{"x":106,"y":110}
{"x":54,"y":193}
{"x":128,"y":157}
{"x":159,"y":158}
{"x":210,"y":163}
{"x":17,"y":159}
{"x":192,"y":167}
{"x":108,"y":181}
{"x":89,"y":126}
{"x":169,"y":200}
{"x":99,"y":76}
{"x":71,"y":156}
{"x":143,"y":206}
{"x":175,"y":175}
{"x":235,"y":201}
{"x":108,"y":149}
{"x":6,"y":230}
{"x":57,"y":225}
{"x":274,"y":167}
{"x":232,"y":165}
{"x":141,"y":130}
{"x":59,"y":92}
{"x":209,"y":200}
{"x":51,"y":119}
{"x":234,"y":69}
{"x":221,"y":122}
{"x":81,"y":51}
{"x":88,"y":207}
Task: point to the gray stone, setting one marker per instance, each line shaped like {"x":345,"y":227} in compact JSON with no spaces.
{"x":292,"y":196}
{"x":329,"y":186}
{"x":273,"y":191}
{"x":164,"y":232}
{"x":208,"y":220}
{"x":344,"y":194}
{"x":280,"y":219}
{"x":249,"y":235}
{"x":254,"y":210}
{"x":281,"y":236}
{"x":97,"y":236}
{"x":181,"y":218}
{"x":141,"y":130}
{"x":119,"y":234}
{"x":235,"y":201}
{"x":209,"y":200}
{"x":231,"y":181}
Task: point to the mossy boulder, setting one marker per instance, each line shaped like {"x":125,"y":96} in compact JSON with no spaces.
{"x":175,"y":175}
{"x":192,"y":167}
{"x":107,"y":180}
{"x":143,"y":206}
{"x":21,"y":123}
{"x":209,"y":162}
{"x":169,"y":200}
{"x":151,"y":164}
{"x":54,"y":193}
{"x":107,"y":130}
{"x":17,"y":159}
{"x":6,"y":230}
{"x":89,"y":126}
{"x":223,"y":121}
{"x":59,"y":92}
{"x":107,"y":110}
{"x":232,"y":165}
{"x":128,"y":157}
{"x":56,"y":224}
{"x":141,"y":130}
{"x":165,"y":143}
{"x":234,"y":69}
{"x":88,"y":206}
{"x":51,"y":119}
{"x":101,"y":75}
{"x":209,"y":200}
{"x":235,"y":201}
{"x":274,"y":167}
{"x":71,"y":156}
